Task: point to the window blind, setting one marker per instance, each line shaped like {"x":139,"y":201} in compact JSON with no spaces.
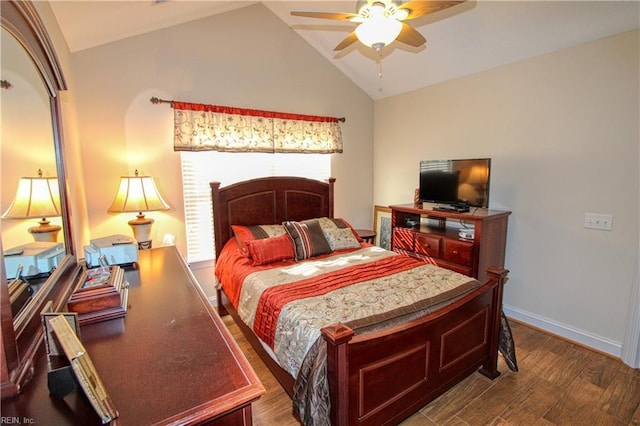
{"x":200,"y":168}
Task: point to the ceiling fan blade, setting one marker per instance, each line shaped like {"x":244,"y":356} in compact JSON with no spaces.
{"x":417,"y":8}
{"x":351,"y":38}
{"x":408,"y":35}
{"x":327,"y":15}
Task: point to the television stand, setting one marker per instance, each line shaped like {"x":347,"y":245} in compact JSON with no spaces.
{"x":442,"y":244}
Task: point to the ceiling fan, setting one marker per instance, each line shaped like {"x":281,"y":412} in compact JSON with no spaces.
{"x":380,"y":22}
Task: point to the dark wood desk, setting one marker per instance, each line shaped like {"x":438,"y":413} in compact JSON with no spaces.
{"x":170,"y":360}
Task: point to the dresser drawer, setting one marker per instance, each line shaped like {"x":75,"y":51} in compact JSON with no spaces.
{"x":403,"y":239}
{"x":428,"y":245}
{"x":457,"y":251}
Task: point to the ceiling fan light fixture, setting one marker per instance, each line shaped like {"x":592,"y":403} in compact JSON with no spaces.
{"x":380,"y":22}
{"x":379,"y":30}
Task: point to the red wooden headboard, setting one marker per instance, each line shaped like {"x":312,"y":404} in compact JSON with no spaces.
{"x":268,"y":201}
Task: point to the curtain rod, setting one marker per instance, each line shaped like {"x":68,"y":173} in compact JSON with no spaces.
{"x":154,"y":100}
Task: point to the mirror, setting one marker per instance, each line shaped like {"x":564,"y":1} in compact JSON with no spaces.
{"x":26,"y":146}
{"x":31,"y":140}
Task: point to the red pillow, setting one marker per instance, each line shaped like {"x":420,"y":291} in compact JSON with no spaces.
{"x":270,"y":250}
{"x":244,"y":234}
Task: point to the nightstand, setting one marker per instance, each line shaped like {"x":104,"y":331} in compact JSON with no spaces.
{"x":367,"y":235}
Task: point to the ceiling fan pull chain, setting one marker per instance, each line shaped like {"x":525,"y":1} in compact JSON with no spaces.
{"x":380,"y":73}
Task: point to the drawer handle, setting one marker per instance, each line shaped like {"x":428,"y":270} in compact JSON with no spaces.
{"x":456,"y":252}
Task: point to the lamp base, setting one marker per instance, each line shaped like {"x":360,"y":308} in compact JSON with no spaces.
{"x":45,"y":231}
{"x":141,"y":227}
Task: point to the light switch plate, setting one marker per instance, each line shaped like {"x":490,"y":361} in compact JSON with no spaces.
{"x":603,"y":222}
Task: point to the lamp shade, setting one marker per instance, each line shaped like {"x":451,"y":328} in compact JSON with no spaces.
{"x":35,"y":197}
{"x":137,"y":194}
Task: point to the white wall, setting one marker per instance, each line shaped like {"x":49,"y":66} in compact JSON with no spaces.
{"x":245,"y":58}
{"x":562,"y":130}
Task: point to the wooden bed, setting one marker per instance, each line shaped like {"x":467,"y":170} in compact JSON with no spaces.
{"x":385,"y":376}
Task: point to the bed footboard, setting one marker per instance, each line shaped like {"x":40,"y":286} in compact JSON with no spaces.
{"x":384,"y":377}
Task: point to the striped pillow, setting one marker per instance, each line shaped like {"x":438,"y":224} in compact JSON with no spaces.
{"x":308,"y":239}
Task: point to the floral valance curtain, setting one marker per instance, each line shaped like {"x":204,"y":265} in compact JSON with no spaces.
{"x":200,"y":127}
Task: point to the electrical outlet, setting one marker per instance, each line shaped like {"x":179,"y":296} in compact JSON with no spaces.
{"x":598,"y":221}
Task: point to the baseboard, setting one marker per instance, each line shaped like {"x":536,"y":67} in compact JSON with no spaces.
{"x":580,"y":337}
{"x":202,"y":264}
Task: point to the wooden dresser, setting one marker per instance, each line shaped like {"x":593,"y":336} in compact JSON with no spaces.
{"x":170,"y":360}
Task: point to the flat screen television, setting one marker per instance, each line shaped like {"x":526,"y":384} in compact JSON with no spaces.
{"x":463,"y":183}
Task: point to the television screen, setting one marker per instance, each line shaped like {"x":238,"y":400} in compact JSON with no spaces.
{"x":455,"y":182}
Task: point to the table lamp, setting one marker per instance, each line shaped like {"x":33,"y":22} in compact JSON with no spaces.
{"x":37,"y":197}
{"x":138,"y":194}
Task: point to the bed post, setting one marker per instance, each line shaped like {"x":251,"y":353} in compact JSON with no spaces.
{"x":217,"y":224}
{"x":337,"y":337}
{"x":222,"y":311}
{"x":331,"y":181}
{"x":490,"y":368}
{"x":217,"y":230}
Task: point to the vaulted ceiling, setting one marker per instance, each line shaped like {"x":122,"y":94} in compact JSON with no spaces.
{"x":468,"y":38}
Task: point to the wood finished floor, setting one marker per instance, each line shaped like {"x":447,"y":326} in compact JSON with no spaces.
{"x":559,"y":383}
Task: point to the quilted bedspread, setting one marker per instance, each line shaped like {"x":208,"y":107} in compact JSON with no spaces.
{"x":287,"y":303}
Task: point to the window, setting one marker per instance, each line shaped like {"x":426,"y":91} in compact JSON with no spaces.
{"x":200,"y":168}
